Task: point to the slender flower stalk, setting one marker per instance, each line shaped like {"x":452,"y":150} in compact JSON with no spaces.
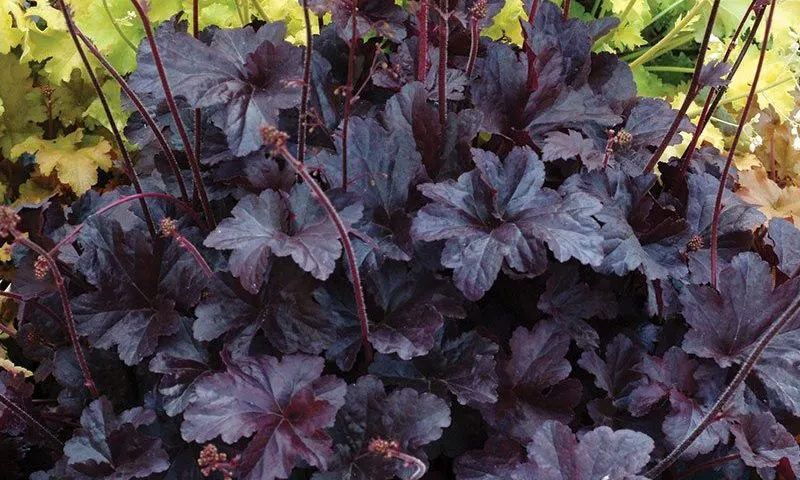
{"x":7,"y":330}
{"x":137,"y":102}
{"x":277,"y":140}
{"x":476,"y":14}
{"x":742,"y":121}
{"x":533,"y":77}
{"x":718,"y":93}
{"x":8,"y":226}
{"x":689,"y":153}
{"x":391,"y":450}
{"x":694,"y":89}
{"x":348,"y":89}
{"x":182,"y":205}
{"x":747,"y":367}
{"x":422,"y":50}
{"x":566,"y":9}
{"x":302,"y":128}
{"x":444,"y":37}
{"x":169,"y":229}
{"x":32,"y":422}
{"x":110,"y":116}
{"x":199,"y":188}
{"x":198,"y":115}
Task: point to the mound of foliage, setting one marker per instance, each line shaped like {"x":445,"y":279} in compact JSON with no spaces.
{"x":403,"y":251}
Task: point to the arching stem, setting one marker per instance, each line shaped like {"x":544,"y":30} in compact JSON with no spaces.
{"x":199,"y":188}
{"x":198,"y":115}
{"x":694,"y":89}
{"x":302,"y":128}
{"x":444,"y":37}
{"x":422,"y":50}
{"x":348,"y":93}
{"x":74,"y":233}
{"x":110,"y":116}
{"x":20,"y":299}
{"x":137,"y":102}
{"x":742,"y":121}
{"x":32,"y":422}
{"x":278,"y":140}
{"x":52,"y":267}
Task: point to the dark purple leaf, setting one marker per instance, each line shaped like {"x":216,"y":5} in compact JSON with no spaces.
{"x":140,"y":288}
{"x":763,"y":442}
{"x":712,"y":74}
{"x":616,"y":374}
{"x":14,"y":387}
{"x":498,"y":460}
{"x":293,"y":225}
{"x":283,"y":309}
{"x":600,"y":454}
{"x":534,"y":386}
{"x":465,"y":366}
{"x":246,"y":73}
{"x":285,"y":403}
{"x":786,"y":243}
{"x":409,"y":418}
{"x":498,"y":215}
{"x":110,"y":446}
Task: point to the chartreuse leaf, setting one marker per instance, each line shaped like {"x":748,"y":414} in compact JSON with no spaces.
{"x":95,"y":113}
{"x":115,"y":27}
{"x":10,"y":12}
{"x":22,"y":102}
{"x":47,"y":39}
{"x":70,"y":99}
{"x":75,"y":164}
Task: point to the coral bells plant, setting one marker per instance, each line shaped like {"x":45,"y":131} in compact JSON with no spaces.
{"x":402,"y":250}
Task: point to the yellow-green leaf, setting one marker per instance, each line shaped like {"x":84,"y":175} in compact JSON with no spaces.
{"x":75,"y":165}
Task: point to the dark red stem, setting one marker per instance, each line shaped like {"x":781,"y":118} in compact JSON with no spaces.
{"x":110,"y":116}
{"x":186,"y":244}
{"x":184,"y":206}
{"x":707,"y":465}
{"x":352,"y":263}
{"x":742,"y":121}
{"x":348,"y":94}
{"x":200,"y":189}
{"x":65,"y":305}
{"x":32,"y":422}
{"x":19,"y":298}
{"x":474,"y":38}
{"x":302,"y":128}
{"x":444,"y":36}
{"x":712,"y":415}
{"x":198,"y":116}
{"x":719,"y":92}
{"x":738,"y":32}
{"x":137,"y":102}
{"x":687,"y":157}
{"x":533,"y":77}
{"x":422,"y":51}
{"x":566,"y":9}
{"x":694,"y":89}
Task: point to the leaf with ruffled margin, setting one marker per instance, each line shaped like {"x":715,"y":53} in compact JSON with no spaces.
{"x":284,"y":310}
{"x":382,"y":166}
{"x":500,"y":216}
{"x":285,"y":403}
{"x":763,"y":442}
{"x":110,"y":446}
{"x":556,"y":454}
{"x":498,"y":460}
{"x":248,"y":74}
{"x":384,"y":16}
{"x":411,"y":419}
{"x":140,"y":288}
{"x":465,"y":366}
{"x":14,"y":387}
{"x":785,"y":238}
{"x":534,"y":387}
{"x":273,"y":223}
{"x":616,"y":373}
{"x":726,"y":324}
